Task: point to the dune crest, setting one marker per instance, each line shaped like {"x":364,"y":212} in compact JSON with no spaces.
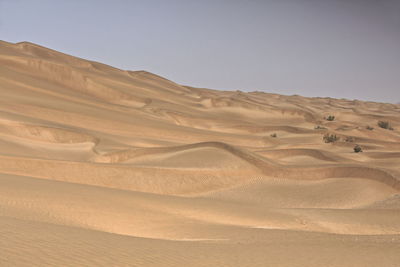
{"x":99,"y":161}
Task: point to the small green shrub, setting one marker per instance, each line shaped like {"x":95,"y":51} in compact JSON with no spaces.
{"x":330,"y":138}
{"x":357,"y":149}
{"x":349,"y":139}
{"x":274,"y":135}
{"x":385,"y":125}
{"x":330,"y":118}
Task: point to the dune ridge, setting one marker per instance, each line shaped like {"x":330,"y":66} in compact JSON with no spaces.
{"x":107,"y":167}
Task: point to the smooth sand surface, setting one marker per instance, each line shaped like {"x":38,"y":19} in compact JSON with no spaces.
{"x":105,"y":167}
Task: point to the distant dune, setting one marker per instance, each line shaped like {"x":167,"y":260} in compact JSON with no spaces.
{"x":106,"y":167}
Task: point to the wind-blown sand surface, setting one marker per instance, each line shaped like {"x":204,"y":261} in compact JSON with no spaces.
{"x":106,"y":167}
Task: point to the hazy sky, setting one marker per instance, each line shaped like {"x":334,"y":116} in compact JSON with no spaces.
{"x":338,"y":48}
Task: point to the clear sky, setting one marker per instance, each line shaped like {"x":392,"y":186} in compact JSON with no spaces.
{"x":338,"y":48}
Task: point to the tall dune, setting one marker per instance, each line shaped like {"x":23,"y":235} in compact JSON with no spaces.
{"x":106,"y":167}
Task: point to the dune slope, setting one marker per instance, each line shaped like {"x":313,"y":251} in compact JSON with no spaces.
{"x":106,"y":167}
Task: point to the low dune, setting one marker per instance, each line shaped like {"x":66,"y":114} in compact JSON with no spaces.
{"x":106,"y":167}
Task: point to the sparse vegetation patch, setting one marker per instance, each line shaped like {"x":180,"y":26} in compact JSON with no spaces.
{"x":385,"y":125}
{"x":330,"y":138}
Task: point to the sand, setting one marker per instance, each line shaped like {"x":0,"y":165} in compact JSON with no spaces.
{"x":106,"y":167}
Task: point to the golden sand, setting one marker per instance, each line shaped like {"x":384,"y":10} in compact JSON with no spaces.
{"x":105,"y":167}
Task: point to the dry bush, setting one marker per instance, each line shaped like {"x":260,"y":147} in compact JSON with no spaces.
{"x":357,"y":149}
{"x":330,"y":118}
{"x":319,"y":127}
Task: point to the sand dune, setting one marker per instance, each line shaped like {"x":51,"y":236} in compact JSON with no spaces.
{"x":106,"y":167}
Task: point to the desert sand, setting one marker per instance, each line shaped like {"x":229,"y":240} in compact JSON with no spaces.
{"x":106,"y":167}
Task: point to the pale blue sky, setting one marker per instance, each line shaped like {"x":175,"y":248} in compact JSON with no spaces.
{"x":338,"y":48}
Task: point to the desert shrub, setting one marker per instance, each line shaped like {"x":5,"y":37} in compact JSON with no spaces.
{"x":385,"y":125}
{"x":369,"y":128}
{"x":274,"y":135}
{"x":319,"y":127}
{"x":349,"y":139}
{"x":330,"y":118}
{"x":357,"y":149}
{"x":330,"y":138}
